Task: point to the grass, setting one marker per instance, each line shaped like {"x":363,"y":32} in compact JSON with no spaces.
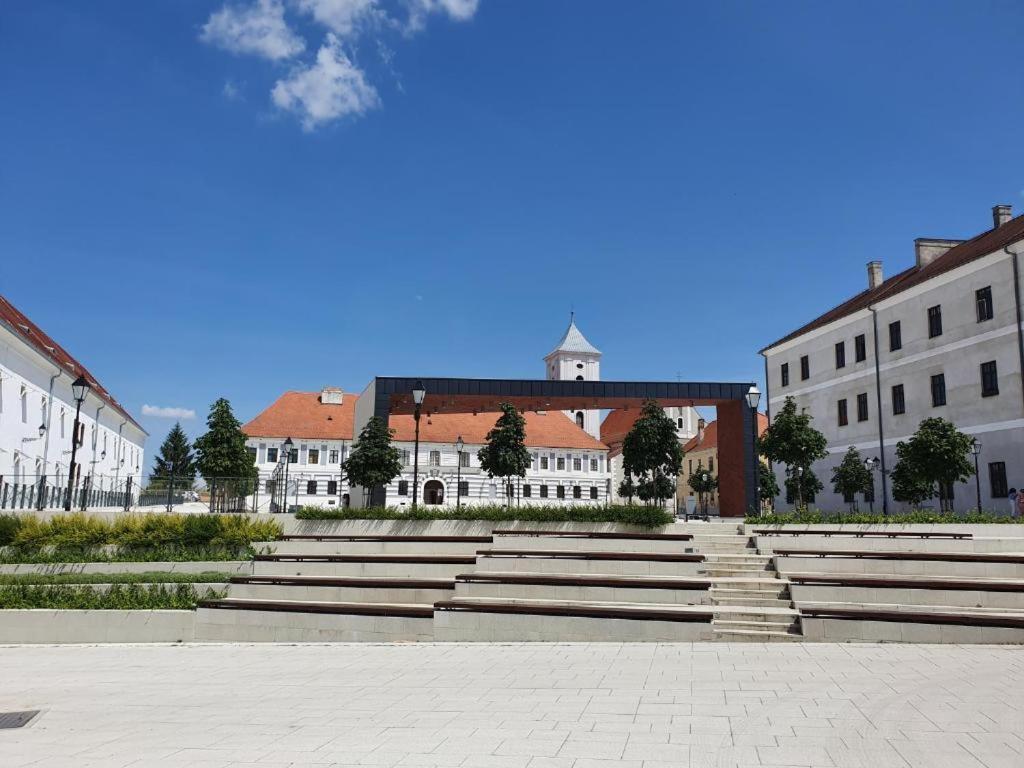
{"x":118,"y":597}
{"x":917,"y":516}
{"x":98,"y":554}
{"x":147,"y":577}
{"x":648,"y":517}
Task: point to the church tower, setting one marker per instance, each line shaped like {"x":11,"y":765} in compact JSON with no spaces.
{"x":576,"y":359}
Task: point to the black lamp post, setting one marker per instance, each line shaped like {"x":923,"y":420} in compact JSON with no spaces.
{"x":287,"y":448}
{"x":976,"y":450}
{"x":418,"y":395}
{"x":753,"y":399}
{"x":799,"y":487}
{"x":871,"y":465}
{"x":459,"y":445}
{"x":79,"y":389}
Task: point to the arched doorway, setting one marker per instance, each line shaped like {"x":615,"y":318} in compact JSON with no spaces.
{"x":433,"y":492}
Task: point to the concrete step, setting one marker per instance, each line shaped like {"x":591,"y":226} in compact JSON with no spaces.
{"x":582,"y":544}
{"x":754,"y":636}
{"x":371,"y":547}
{"x":588,"y":567}
{"x":361,"y":568}
{"x":342,"y":590}
{"x":748,"y":602}
{"x":580,"y":587}
{"x":759,"y":594}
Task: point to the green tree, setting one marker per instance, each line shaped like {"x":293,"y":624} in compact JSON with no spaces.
{"x":505,"y":454}
{"x":651,"y":453}
{"x":374,"y":461}
{"x":802,"y":485}
{"x":174,"y":460}
{"x":851,"y":477}
{"x":767,"y":485}
{"x":936,"y":456}
{"x":791,"y":440}
{"x":223,"y":459}
{"x":703,"y":484}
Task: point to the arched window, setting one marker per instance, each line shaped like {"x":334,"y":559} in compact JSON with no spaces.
{"x":580,"y":366}
{"x":579,"y":419}
{"x":679,"y":422}
{"x":579,"y":378}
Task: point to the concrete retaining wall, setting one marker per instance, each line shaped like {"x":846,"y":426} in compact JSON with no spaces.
{"x":856,"y":631}
{"x":243,"y":567}
{"x":56,"y":626}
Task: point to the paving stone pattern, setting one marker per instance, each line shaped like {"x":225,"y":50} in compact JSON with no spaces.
{"x":514,"y":705}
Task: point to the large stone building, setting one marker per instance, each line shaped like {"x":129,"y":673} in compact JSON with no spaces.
{"x":941,"y":338}
{"x":37,"y":413}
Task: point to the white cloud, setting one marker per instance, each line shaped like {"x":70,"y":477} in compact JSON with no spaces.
{"x":258,"y":29}
{"x":162,"y":412}
{"x":232,"y":91}
{"x":331,"y":88}
{"x":458,"y":10}
{"x":343,"y":17}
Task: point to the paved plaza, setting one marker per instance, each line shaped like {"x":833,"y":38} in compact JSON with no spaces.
{"x":514,"y":705}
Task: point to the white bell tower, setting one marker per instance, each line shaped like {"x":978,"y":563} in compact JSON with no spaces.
{"x":576,"y":359}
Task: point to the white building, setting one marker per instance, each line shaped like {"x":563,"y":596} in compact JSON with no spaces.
{"x":37,"y":413}
{"x":941,"y":338}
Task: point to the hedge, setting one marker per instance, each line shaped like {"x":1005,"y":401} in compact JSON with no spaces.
{"x":118,"y":597}
{"x":917,"y":516}
{"x":146,"y":577}
{"x":648,"y":517}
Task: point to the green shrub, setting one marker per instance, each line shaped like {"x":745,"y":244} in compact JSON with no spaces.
{"x":118,"y":597}
{"x":155,"y":554}
{"x":147,"y":577}
{"x":9,"y":525}
{"x":917,"y":516}
{"x":648,"y":517}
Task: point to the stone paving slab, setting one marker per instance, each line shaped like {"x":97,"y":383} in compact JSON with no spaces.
{"x":517,"y":705}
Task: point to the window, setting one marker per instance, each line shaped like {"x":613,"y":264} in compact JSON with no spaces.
{"x":435,"y":458}
{"x":332,"y":487}
{"x":934,"y":321}
{"x":332,"y":457}
{"x":560,"y":491}
{"x":24,"y":406}
{"x":711,"y":463}
{"x":679,"y":423}
{"x":805,"y":368}
{"x":405,"y":456}
{"x":593,"y":491}
{"x":543,"y":491}
{"x":938,"y":390}
{"x":311,"y":487}
{"x":593,"y":465}
{"x":560,"y":463}
{"x":862,"y":406}
{"x":464,"y":488}
{"x":579,"y":366}
{"x":269,"y":487}
{"x":997,"y":479}
{"x":895,"y":336}
{"x":527,"y":491}
{"x":579,"y":378}
{"x":272,"y":455}
{"x":464,"y":459}
{"x":841,"y":354}
{"x":293,"y":456}
{"x":579,"y":419}
{"x":577,"y":465}
{"x":785,"y":374}
{"x":860,"y":348}
{"x":899,"y":403}
{"x":577,"y":492}
{"x":989,"y":379}
{"x":543,"y":462}
{"x":314,"y":456}
{"x":403,"y":487}
{"x":983,"y":299}
{"x":843,"y":418}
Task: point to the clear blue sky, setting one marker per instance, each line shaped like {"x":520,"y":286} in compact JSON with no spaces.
{"x":203,"y":202}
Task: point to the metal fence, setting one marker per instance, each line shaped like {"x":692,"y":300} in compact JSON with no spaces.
{"x":221,"y":494}
{"x":26,"y":492}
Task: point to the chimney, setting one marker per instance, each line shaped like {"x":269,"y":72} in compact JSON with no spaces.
{"x":928,"y":249}
{"x":1001,"y":214}
{"x":331,"y":396}
{"x":874,"y":274}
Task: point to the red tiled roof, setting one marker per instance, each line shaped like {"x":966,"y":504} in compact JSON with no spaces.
{"x":711,"y":435}
{"x":302,"y":415}
{"x":617,"y":423}
{"x":39,"y":340}
{"x":968,"y":251}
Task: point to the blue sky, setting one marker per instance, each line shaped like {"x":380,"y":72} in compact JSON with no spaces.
{"x":203,"y":200}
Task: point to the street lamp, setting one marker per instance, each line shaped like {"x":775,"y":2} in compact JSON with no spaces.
{"x":286,"y":447}
{"x":459,"y":445}
{"x":799,"y":487}
{"x":753,"y":398}
{"x":976,"y":450}
{"x":79,"y":389}
{"x":418,"y":395}
{"x":871,"y":464}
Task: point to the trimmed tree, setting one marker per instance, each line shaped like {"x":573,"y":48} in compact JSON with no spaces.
{"x":651,"y":453}
{"x":703,"y":484}
{"x":174,"y":461}
{"x":505,"y":454}
{"x":374,"y":461}
{"x":791,"y":440}
{"x":767,"y":485}
{"x":223,"y":459}
{"x":936,"y":456}
{"x":851,"y":477}
{"x":802,"y":486}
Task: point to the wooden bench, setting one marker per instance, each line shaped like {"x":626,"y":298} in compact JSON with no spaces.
{"x":867,"y":554}
{"x":597,"y":535}
{"x":978,"y":585}
{"x":863,"y":534}
{"x":369,"y":558}
{"x":523,"y":608}
{"x":571,"y":580}
{"x":296,"y":606}
{"x":390,"y":539}
{"x":370,"y":582}
{"x":914,"y":617}
{"x":573,"y":554}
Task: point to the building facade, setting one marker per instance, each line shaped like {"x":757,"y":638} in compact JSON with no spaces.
{"x":37,"y":413}
{"x":701,"y":452}
{"x":942,"y":338}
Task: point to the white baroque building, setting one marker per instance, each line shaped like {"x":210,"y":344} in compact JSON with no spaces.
{"x":943,"y":338}
{"x":37,"y":413}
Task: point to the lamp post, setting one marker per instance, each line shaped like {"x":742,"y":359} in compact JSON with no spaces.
{"x":41,"y":497}
{"x":459,"y":445}
{"x":976,"y":450}
{"x":287,"y":448}
{"x":79,"y":389}
{"x":871,"y":465}
{"x":799,"y":487}
{"x":753,"y":398}
{"x":418,"y":395}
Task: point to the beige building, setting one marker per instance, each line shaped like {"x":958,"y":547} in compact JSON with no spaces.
{"x":702,"y":452}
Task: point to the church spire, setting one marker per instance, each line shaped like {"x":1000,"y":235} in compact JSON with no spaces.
{"x":573,"y":341}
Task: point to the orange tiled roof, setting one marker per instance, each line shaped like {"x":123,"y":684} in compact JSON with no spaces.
{"x":617,"y":423}
{"x":302,"y":415}
{"x":710,"y":440}
{"x":36,"y":338}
